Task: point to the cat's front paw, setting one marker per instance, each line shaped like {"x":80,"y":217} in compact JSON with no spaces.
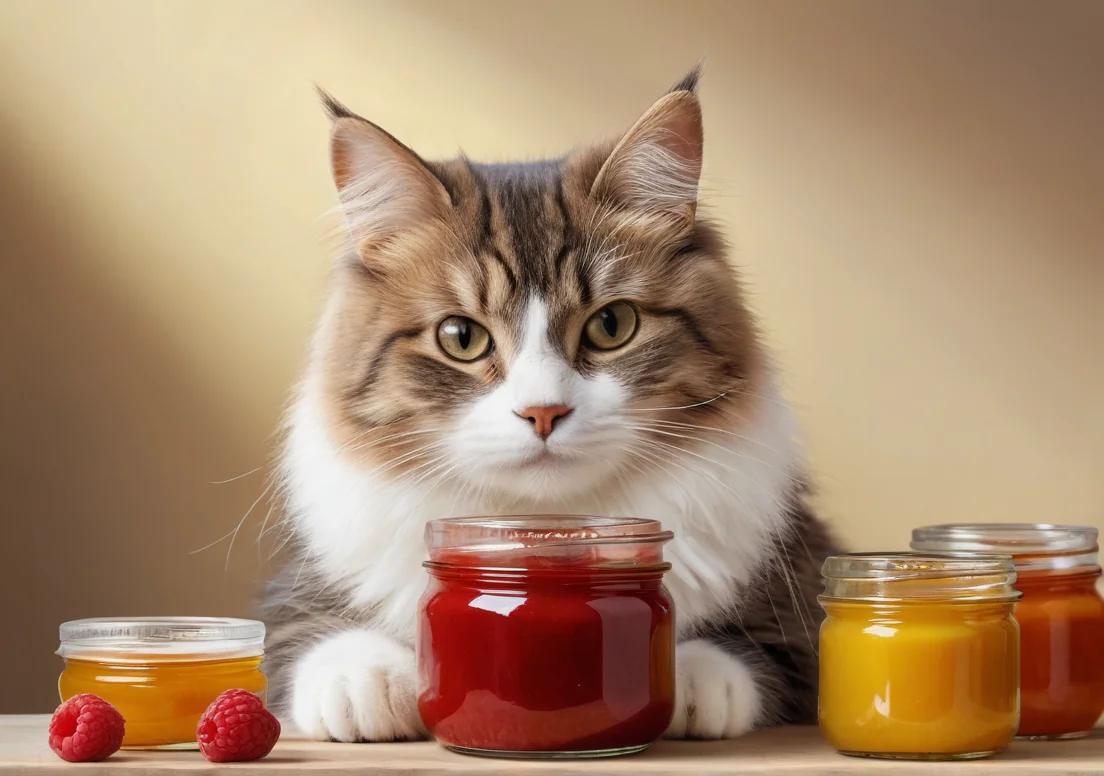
{"x":715,"y":693}
{"x":356,"y":686}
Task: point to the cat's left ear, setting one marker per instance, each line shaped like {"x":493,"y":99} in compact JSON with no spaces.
{"x":655,"y":168}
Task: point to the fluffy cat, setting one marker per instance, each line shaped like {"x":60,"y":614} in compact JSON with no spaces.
{"x":558,"y":336}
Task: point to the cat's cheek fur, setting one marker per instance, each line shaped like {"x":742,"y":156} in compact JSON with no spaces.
{"x":356,"y":686}
{"x":716,"y":695}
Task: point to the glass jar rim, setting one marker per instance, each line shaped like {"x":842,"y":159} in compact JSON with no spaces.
{"x":166,"y":638}
{"x":905,"y":576}
{"x":514,"y":541}
{"x":1006,"y":538}
{"x":912,"y":565}
{"x":1035,"y":547}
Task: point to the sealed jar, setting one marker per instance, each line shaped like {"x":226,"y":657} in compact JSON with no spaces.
{"x":1061,"y":617}
{"x":161,"y":673}
{"x":546,"y":636}
{"x":919,"y":655}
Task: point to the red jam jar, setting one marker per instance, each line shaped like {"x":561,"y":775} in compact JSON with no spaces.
{"x":546,"y":636}
{"x":1061,"y":617}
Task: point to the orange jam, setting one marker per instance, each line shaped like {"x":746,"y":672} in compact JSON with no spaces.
{"x":161,"y":673}
{"x":919,"y":656}
{"x":1061,"y":617}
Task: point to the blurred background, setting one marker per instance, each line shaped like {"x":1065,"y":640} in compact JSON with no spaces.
{"x":915,"y":191}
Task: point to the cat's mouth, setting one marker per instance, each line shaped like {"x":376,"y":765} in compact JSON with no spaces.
{"x":543,"y":458}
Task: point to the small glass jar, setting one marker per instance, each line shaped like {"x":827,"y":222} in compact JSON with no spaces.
{"x":1061,"y":617}
{"x":161,"y":673}
{"x":546,"y":636}
{"x":919,"y":656}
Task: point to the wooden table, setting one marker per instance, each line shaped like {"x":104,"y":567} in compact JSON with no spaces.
{"x":793,"y":750}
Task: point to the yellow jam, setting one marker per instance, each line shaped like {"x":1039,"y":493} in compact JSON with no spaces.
{"x":919,"y":679}
{"x":160,"y":701}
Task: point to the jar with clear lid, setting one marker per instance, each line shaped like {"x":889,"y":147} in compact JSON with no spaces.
{"x":1061,"y":617}
{"x":919,"y":656}
{"x":161,"y":673}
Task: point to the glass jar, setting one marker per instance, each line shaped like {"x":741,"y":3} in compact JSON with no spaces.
{"x":546,"y":636}
{"x":161,"y":673}
{"x":1061,"y":617}
{"x":919,"y":656}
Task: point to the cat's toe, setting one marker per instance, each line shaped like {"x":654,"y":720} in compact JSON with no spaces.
{"x":356,"y":686}
{"x":716,"y":695}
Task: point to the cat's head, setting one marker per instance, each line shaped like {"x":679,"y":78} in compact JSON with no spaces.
{"x":531,"y":329}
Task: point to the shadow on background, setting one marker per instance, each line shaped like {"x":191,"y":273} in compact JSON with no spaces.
{"x":106,"y":446}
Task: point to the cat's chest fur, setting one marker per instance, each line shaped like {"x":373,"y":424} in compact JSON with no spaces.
{"x":725,"y":499}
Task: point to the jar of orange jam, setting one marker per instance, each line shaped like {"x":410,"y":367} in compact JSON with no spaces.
{"x":919,"y":656}
{"x":1061,"y":617}
{"x":161,"y":673}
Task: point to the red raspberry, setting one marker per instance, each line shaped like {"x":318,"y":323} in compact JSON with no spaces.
{"x":235,"y":727}
{"x":86,"y":728}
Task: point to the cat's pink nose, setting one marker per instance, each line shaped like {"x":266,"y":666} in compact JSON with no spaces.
{"x":544,"y":418}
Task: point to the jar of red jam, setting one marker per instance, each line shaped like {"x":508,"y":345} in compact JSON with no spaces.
{"x":546,"y":636}
{"x":1061,"y":617}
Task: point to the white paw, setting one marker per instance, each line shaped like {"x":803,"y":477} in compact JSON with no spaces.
{"x":356,"y":686}
{"x":715,"y":693}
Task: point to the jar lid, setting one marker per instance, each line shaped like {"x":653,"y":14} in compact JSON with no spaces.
{"x":528,"y":541}
{"x":161,"y":638}
{"x":1033,"y":545}
{"x":903,"y":576}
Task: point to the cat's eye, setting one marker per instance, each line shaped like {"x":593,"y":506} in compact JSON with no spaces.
{"x":611,"y":327}
{"x":463,"y":339}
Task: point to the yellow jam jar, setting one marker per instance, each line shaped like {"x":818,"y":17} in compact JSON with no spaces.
{"x":919,"y":655}
{"x":161,"y":673}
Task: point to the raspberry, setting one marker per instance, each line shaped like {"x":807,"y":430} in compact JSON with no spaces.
{"x":236,"y":727}
{"x":86,"y":728}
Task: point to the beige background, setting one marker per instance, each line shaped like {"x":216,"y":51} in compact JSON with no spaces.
{"x":915,"y":191}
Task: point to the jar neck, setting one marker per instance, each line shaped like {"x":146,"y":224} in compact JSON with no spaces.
{"x":554,"y":576}
{"x":993,"y":588}
{"x":915,"y":611}
{"x":1057,"y":562}
{"x":1051,"y":579}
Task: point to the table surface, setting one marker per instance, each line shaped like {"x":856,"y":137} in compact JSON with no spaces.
{"x":790,"y":750}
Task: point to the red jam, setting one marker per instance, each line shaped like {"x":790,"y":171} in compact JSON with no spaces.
{"x":1061,"y":620}
{"x":546,"y":636}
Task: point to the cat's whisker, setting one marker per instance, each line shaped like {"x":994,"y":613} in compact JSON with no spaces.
{"x":791,"y":586}
{"x":239,"y":477}
{"x":707,"y":459}
{"x":677,"y":453}
{"x":714,"y":430}
{"x":264,"y":525}
{"x":725,"y":448}
{"x":232,"y":532}
{"x":234,"y":538}
{"x":683,"y":407}
{"x":734,"y":470}
{"x":418,"y":452}
{"x":363,"y":441}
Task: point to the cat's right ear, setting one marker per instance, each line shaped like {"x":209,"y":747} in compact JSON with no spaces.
{"x":384,"y":187}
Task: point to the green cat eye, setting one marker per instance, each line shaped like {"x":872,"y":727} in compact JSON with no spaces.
{"x":611,"y":327}
{"x":462,"y":338}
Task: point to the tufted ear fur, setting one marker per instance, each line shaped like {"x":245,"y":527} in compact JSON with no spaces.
{"x":655,"y":168}
{"x":384,"y":187}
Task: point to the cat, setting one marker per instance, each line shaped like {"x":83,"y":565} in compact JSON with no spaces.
{"x":562,"y":336}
